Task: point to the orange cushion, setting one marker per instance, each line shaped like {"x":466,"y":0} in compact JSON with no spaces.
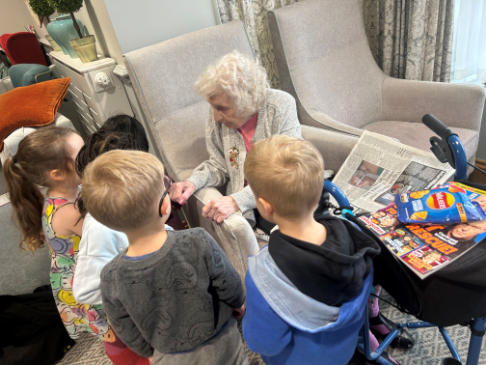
{"x":31,"y":106}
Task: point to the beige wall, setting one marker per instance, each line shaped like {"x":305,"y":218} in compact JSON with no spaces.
{"x":93,"y":14}
{"x":142,"y":23}
{"x":96,"y":19}
{"x":14,"y":13}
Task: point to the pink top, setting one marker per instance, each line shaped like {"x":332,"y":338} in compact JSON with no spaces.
{"x":247,"y":131}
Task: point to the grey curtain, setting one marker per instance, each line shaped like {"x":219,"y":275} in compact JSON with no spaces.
{"x":254,"y":14}
{"x":411,"y":39}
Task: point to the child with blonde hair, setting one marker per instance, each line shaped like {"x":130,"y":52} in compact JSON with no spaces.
{"x":171,"y":295}
{"x":46,"y":158}
{"x":306,"y":290}
{"x":99,"y":244}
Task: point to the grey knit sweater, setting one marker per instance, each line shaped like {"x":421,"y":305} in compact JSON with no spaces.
{"x":227,"y":151}
{"x":175,"y":299}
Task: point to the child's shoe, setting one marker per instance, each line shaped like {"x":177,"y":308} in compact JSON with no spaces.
{"x":381,"y":326}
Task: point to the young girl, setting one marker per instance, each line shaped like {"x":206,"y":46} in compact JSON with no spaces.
{"x":46,"y":158}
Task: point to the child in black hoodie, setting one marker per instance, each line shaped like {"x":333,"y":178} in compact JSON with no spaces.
{"x":319,"y":263}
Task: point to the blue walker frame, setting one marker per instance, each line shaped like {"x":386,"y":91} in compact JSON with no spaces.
{"x":478,"y":325}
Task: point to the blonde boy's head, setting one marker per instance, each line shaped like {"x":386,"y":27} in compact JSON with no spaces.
{"x":288,"y":173}
{"x":121,"y":189}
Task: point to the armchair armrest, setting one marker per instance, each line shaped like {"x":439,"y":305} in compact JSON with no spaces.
{"x":321,"y":120}
{"x":235,"y":235}
{"x":457,"y":105}
{"x":333,"y":146}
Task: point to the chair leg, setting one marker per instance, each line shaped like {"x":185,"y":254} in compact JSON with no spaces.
{"x":449,"y":343}
{"x":478,"y":327}
{"x":365,"y":345}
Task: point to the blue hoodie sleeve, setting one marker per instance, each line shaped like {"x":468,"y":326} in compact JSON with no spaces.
{"x":264,"y":331}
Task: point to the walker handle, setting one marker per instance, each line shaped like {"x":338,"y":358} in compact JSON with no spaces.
{"x":437,"y":126}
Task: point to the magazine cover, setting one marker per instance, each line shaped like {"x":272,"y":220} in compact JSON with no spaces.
{"x":427,"y":248}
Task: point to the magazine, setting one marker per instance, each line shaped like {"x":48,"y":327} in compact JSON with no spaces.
{"x":427,"y":248}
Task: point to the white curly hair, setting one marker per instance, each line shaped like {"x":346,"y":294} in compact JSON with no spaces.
{"x":238,"y":76}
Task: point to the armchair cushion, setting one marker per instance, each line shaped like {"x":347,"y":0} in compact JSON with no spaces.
{"x":26,"y":74}
{"x":417,"y":135}
{"x":31,"y":106}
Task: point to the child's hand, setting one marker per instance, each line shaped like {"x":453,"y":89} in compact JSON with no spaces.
{"x":150,"y":359}
{"x":240,"y":312}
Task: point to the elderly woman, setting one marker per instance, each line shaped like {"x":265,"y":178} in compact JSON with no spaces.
{"x":243,"y":110}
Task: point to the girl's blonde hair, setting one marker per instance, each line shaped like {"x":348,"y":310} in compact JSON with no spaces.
{"x":38,"y":153}
{"x":238,"y":76}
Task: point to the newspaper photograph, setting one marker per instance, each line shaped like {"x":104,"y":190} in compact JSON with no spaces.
{"x":380,"y":167}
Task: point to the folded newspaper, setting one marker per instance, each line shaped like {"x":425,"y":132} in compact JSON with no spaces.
{"x":427,"y":248}
{"x":379,"y":167}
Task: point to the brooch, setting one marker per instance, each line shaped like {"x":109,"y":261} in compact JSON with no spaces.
{"x":233,"y":157}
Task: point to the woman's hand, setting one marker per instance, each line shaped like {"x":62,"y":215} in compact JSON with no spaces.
{"x":181,"y":191}
{"x":220,"y":209}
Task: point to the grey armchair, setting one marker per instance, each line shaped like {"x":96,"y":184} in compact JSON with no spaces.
{"x":325,"y":62}
{"x":163,"y":76}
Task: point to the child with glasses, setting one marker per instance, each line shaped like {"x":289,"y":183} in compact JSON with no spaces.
{"x":171,"y":295}
{"x":100,"y":244}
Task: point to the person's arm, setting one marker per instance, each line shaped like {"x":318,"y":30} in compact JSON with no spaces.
{"x":211,"y":172}
{"x":245,"y":199}
{"x":286,"y":121}
{"x":224,"y":278}
{"x":66,"y":221}
{"x":99,"y":245}
{"x":121,"y":322}
{"x":263,"y":330}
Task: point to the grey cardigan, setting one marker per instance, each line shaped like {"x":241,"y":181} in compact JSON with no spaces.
{"x":227,"y":151}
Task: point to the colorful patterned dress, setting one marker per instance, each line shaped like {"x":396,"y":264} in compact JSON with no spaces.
{"x":77,"y":317}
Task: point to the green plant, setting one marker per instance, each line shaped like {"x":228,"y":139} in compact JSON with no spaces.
{"x":42,"y":8}
{"x":70,"y":7}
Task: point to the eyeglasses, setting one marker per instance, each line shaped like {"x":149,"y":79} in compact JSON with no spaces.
{"x":167,"y":184}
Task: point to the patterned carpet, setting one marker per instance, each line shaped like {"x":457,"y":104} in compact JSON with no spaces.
{"x":429,"y":348}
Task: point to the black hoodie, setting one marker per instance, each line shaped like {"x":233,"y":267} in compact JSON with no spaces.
{"x":333,"y":272}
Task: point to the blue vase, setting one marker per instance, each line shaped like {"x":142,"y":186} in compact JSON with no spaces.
{"x":62,"y":30}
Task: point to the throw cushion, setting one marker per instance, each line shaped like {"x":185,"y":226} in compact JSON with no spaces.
{"x":31,"y":106}
{"x":26,"y":74}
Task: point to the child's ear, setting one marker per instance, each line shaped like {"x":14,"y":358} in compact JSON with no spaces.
{"x":267,"y":207}
{"x":165,"y":208}
{"x":57,"y":175}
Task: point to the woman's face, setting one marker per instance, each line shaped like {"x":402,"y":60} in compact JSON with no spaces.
{"x":225,"y":111}
{"x":434,"y":256}
{"x":388,"y":222}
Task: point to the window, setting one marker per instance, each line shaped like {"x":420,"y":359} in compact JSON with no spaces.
{"x":469,"y":44}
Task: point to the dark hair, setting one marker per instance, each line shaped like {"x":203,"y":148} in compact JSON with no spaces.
{"x":97,"y":144}
{"x":38,"y":153}
{"x":127,"y":124}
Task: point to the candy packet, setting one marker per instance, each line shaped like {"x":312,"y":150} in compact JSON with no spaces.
{"x":443,"y":205}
